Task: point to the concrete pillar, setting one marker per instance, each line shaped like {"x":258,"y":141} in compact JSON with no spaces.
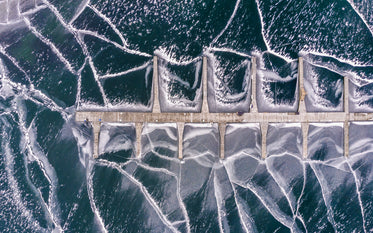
{"x":346,"y":110}
{"x":138,"y":127}
{"x":156,"y":106}
{"x":346,"y":138}
{"x":180,"y":129}
{"x":346,"y":94}
{"x":264,"y":129}
{"x":222,"y":127}
{"x":254,"y":106}
{"x":205,"y":104}
{"x":96,"y":135}
{"x":305,"y":127}
{"x":302,"y":91}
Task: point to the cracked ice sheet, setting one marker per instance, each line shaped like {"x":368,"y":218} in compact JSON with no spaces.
{"x":205,"y":186}
{"x":51,"y":30}
{"x":332,"y":173}
{"x":40,"y":64}
{"x":218,"y":186}
{"x":181,"y":193}
{"x":243,"y":192}
{"x":316,"y":191}
{"x":143,"y":191}
{"x":295,"y":25}
{"x":33,"y":181}
{"x":361,"y":160}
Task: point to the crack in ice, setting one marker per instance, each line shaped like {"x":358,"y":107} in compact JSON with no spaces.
{"x":240,"y":211}
{"x":357,"y":185}
{"x":91,"y":198}
{"x":53,"y":216}
{"x":369,"y":27}
{"x":228,"y":23}
{"x":145,"y":192}
{"x":51,"y":45}
{"x":107,"y":20}
{"x":9,"y":168}
{"x":301,"y":196}
{"x":266,"y":206}
{"x":324,"y":193}
{"x":218,"y":200}
{"x":181,"y":203}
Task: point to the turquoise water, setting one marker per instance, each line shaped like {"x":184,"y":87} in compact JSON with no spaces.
{"x":59,"y":56}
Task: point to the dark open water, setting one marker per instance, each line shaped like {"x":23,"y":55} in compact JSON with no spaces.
{"x":58,"y":56}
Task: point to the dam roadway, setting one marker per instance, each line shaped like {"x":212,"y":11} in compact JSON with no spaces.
{"x":263,"y":118}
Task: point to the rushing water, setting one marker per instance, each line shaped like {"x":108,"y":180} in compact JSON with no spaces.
{"x":57,"y":56}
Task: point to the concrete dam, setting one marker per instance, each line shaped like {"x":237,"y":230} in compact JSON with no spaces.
{"x":95,"y":118}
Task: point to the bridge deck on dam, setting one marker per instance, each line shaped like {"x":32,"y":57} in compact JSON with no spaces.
{"x":156,"y":116}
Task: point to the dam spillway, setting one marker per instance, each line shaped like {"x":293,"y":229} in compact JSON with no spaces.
{"x":205,"y":116}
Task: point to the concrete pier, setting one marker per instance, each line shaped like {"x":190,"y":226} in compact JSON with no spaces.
{"x":302,"y":92}
{"x":305,"y":127}
{"x":346,"y":138}
{"x":156,"y":105}
{"x":96,"y":135}
{"x":254,"y":106}
{"x":205,"y":104}
{"x":346,"y":110}
{"x":346,"y":95}
{"x":222,"y":127}
{"x":264,"y":130}
{"x":142,"y":117}
{"x":302,"y":116}
{"x":180,"y":129}
{"x":138,"y":127}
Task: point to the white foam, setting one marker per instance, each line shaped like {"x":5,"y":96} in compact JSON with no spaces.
{"x":339,"y":59}
{"x":165,"y":54}
{"x":200,"y":129}
{"x":244,"y":220}
{"x":112,"y":75}
{"x":110,"y":144}
{"x":210,"y":50}
{"x":314,"y":100}
{"x":266,"y":103}
{"x":220,"y":99}
{"x":179,"y":103}
{"x":271,"y":207}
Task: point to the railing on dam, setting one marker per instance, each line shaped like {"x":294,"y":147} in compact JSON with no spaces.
{"x":263,"y":118}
